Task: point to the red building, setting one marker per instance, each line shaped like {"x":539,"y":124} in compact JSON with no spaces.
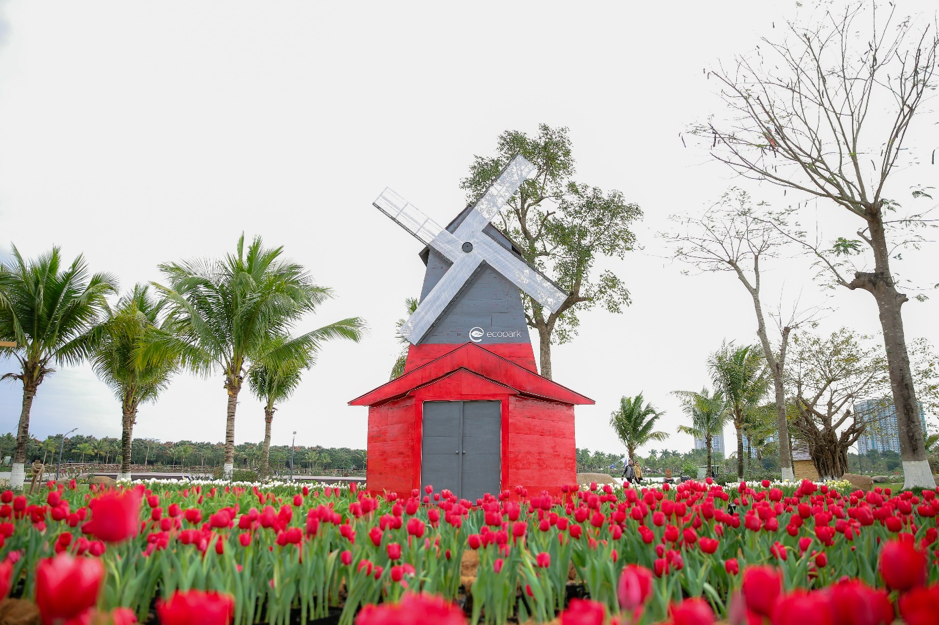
{"x":470,"y":413}
{"x":472,"y":419}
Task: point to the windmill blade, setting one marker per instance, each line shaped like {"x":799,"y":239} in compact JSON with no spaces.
{"x":432,"y":307}
{"x":515,"y":173}
{"x":520,"y":273}
{"x":408,"y":216}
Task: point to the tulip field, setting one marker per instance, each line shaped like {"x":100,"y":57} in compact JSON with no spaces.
{"x":281,"y":554}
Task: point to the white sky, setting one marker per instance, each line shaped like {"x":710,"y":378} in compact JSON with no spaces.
{"x":138,"y":133}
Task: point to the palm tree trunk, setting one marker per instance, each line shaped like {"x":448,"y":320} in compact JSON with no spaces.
{"x":739,"y":450}
{"x":229,"y":467}
{"x":18,"y":476}
{"x":129,"y":417}
{"x":266,"y":449}
{"x":707,"y":442}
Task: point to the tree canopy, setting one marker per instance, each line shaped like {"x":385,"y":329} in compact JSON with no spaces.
{"x":562,"y":227}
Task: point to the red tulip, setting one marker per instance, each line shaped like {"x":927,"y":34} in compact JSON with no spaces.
{"x":583,"y":612}
{"x":414,"y":609}
{"x":708,"y":545}
{"x":66,"y":586}
{"x":920,"y":606}
{"x":855,"y":603}
{"x":692,"y":612}
{"x":115,"y":517}
{"x":635,"y":586}
{"x":801,"y":607}
{"x":544,"y":560}
{"x":762,"y":585}
{"x":195,"y":607}
{"x":6,"y":577}
{"x":394,"y":551}
{"x":415,"y":527}
{"x":732,"y":566}
{"x":902,"y":565}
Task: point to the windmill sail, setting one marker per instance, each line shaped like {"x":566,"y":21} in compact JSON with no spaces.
{"x":408,"y":216}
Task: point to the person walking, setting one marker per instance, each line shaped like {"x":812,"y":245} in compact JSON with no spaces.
{"x":629,"y":474}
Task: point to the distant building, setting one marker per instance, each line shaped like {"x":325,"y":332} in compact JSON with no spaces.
{"x":717,"y":443}
{"x":880,"y":419}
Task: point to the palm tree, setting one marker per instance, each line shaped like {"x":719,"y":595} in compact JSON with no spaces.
{"x":708,"y":415}
{"x":398,"y":369}
{"x":740,"y":372}
{"x":633,"y":423}
{"x":273,"y":385}
{"x":49,"y":446}
{"x":84,"y":449}
{"x":114,"y":360}
{"x":223,"y":314}
{"x":50,"y":312}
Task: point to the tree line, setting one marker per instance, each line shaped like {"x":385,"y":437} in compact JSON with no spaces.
{"x":152,"y":454}
{"x":230,"y":317}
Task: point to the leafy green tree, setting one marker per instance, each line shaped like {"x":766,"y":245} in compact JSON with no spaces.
{"x":740,"y":373}
{"x":824,"y":109}
{"x":398,"y":369}
{"x":708,"y":414}
{"x":115,"y":361}
{"x":634,"y":421}
{"x":50,"y":312}
{"x":828,"y":377}
{"x":932,"y":442}
{"x":224,"y":313}
{"x":562,"y":228}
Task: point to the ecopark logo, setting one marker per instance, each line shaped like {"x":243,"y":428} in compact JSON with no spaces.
{"x":477,"y":334}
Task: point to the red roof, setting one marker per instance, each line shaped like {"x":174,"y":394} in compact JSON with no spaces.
{"x":480,"y":361}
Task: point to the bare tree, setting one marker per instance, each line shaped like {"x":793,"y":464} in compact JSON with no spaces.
{"x":828,"y":376}
{"x":805,"y":115}
{"x":732,"y":237}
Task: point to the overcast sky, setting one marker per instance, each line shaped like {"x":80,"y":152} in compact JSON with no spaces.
{"x":140,"y":133}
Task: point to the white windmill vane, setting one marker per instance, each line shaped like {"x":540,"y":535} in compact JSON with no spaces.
{"x":467,"y":248}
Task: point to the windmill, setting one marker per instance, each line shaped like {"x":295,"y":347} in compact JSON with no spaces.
{"x":470,"y":413}
{"x":467,"y":248}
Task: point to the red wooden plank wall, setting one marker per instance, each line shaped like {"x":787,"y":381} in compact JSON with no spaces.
{"x":392,"y":438}
{"x":540,"y":445}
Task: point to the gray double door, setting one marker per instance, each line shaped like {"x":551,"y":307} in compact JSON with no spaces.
{"x":462,"y":447}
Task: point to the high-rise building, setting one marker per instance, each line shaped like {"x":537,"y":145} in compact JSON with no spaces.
{"x":880,"y":419}
{"x":717,"y":443}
